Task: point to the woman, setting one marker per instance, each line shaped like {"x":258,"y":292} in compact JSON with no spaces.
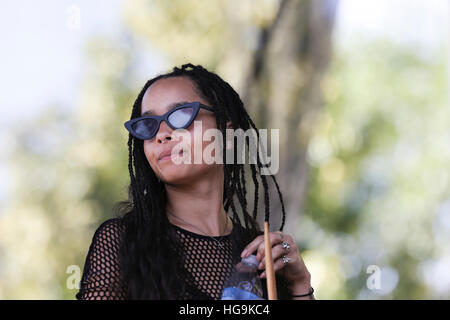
{"x":175,"y":239}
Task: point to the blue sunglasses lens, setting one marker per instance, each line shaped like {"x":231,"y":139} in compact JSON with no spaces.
{"x":181,"y":117}
{"x":145,"y":127}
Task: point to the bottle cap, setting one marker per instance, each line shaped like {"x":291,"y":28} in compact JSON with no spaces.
{"x":250,"y":260}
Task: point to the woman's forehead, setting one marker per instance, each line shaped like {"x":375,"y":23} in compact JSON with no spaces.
{"x":168,"y":91}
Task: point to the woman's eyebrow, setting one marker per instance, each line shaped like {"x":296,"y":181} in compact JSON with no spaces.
{"x":169,"y":107}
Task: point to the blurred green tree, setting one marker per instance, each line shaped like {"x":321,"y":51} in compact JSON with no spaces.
{"x":379,"y":172}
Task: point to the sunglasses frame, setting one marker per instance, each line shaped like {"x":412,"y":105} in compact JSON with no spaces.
{"x":195,"y":105}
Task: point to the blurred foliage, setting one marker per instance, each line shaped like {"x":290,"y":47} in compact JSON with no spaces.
{"x":377,"y":190}
{"x":68,"y":169}
{"x":379,"y":160}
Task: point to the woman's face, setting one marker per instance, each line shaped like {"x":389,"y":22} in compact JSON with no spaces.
{"x":159,"y":98}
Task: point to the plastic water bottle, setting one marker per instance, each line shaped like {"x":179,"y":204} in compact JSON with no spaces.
{"x":244,"y":282}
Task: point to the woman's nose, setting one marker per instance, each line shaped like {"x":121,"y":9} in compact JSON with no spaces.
{"x":164,"y":133}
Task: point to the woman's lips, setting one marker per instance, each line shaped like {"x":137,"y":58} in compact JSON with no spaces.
{"x":165,"y":158}
{"x":169,"y":156}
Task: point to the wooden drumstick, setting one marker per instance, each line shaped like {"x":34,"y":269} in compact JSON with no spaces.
{"x":270,"y":273}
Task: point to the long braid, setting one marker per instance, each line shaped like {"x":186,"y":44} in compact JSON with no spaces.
{"x":256,"y":196}
{"x":241,"y":185}
{"x":283,"y":219}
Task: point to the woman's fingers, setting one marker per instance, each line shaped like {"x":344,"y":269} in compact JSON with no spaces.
{"x":277,"y":265}
{"x":257,"y":245}
{"x":277,"y":252}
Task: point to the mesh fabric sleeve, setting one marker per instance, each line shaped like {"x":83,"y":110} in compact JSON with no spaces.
{"x":102,"y":276}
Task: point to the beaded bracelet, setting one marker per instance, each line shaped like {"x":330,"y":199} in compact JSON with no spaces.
{"x":304,"y":295}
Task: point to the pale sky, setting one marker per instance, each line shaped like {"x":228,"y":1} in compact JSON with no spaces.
{"x":41,"y":50}
{"x":416,"y":22}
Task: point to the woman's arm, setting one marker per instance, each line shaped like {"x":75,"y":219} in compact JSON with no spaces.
{"x":101,"y":278}
{"x":302,"y":288}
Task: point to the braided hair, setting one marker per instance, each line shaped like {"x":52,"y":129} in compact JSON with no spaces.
{"x":147,"y":256}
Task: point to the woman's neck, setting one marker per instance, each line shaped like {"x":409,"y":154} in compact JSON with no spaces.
{"x":199,"y":205}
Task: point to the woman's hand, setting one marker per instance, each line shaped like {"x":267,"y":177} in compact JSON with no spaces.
{"x":286,"y":258}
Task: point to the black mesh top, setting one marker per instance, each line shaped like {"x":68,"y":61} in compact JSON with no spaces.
{"x":208,"y":262}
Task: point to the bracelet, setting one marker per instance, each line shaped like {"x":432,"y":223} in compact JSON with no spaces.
{"x":311,"y":291}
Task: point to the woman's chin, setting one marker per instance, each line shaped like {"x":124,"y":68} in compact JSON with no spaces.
{"x":175,"y":174}
{"x":183,"y":173}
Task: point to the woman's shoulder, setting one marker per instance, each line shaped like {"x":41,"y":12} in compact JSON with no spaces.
{"x":108,"y":231}
{"x":111,"y":224}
